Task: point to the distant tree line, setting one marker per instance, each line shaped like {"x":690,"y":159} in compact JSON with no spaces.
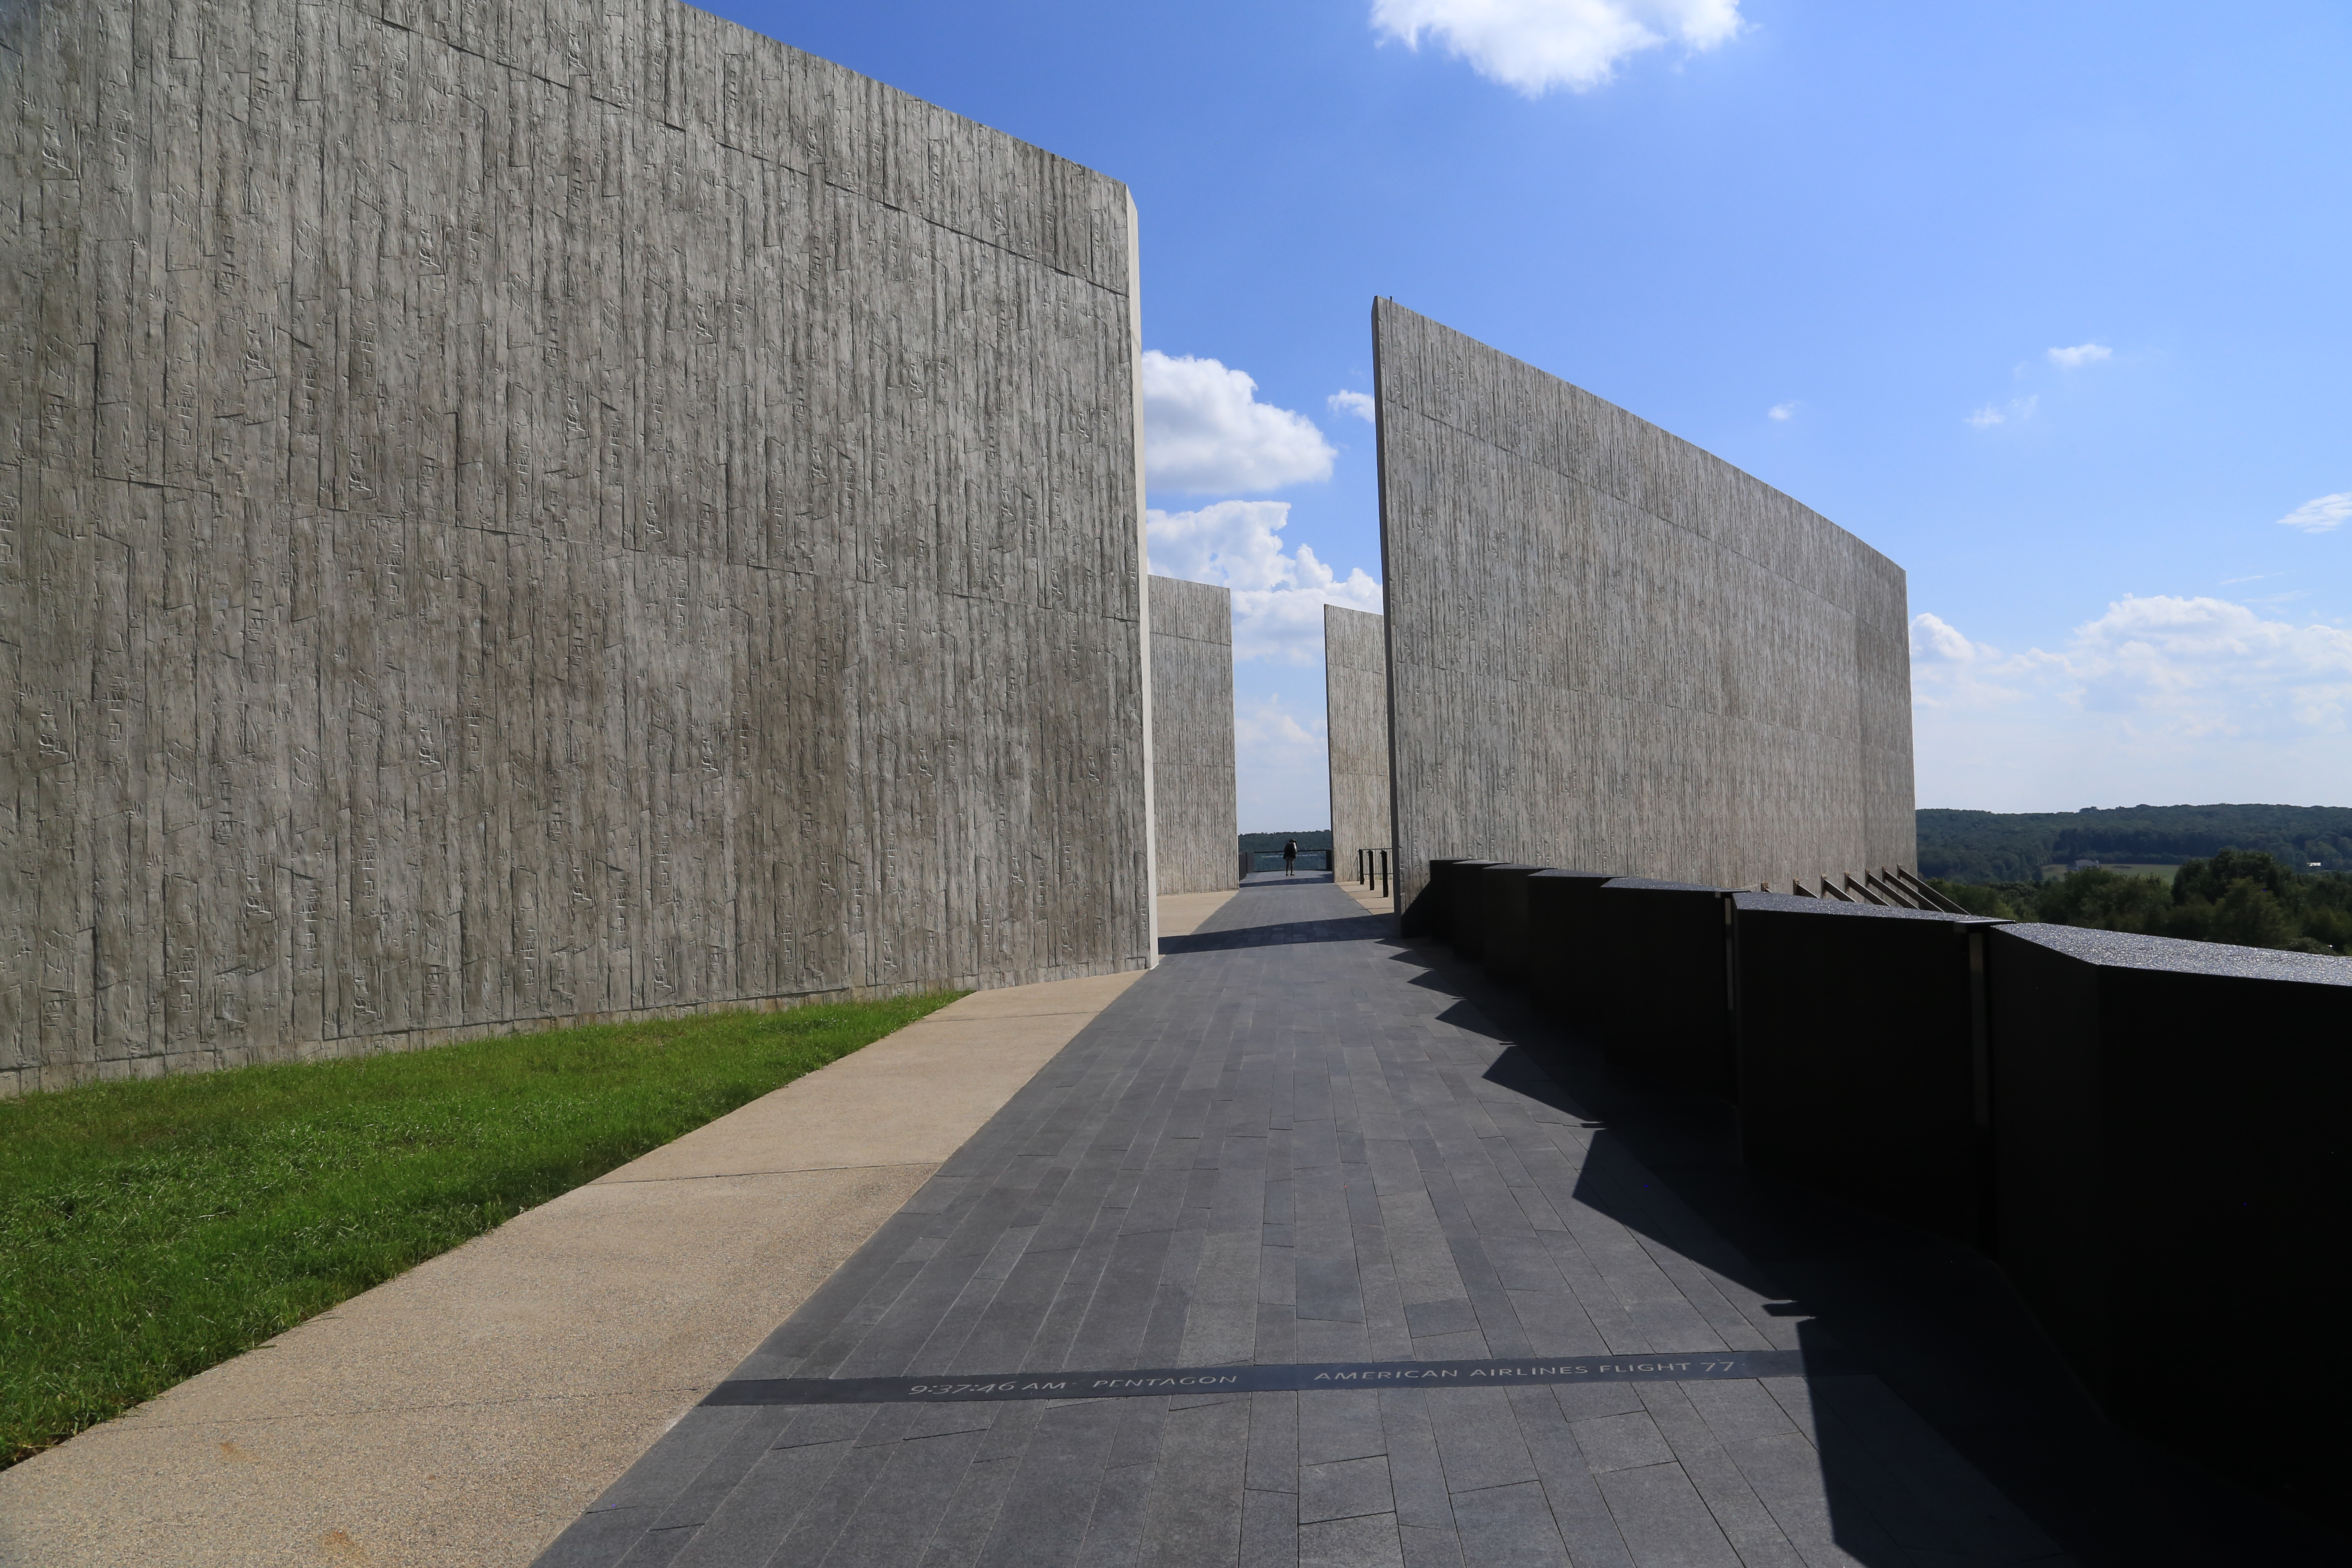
{"x":2241,"y":896}
{"x":1986,"y":846}
{"x":1318,"y":842}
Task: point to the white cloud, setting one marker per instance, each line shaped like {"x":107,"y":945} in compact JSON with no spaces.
{"x":1933,"y":637}
{"x":1781,"y":411}
{"x":2020,"y":409}
{"x":1358,"y":403}
{"x":1268,"y":722}
{"x":1950,"y":669}
{"x":2206,"y":667}
{"x":1279,"y":598}
{"x":1281,"y":766}
{"x":1535,"y":45}
{"x":2080,"y":355}
{"x":1204,"y":429}
{"x":2321,"y":515}
{"x":2161,"y":698}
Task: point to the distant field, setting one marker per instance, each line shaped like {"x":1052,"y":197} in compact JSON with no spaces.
{"x":2051,"y":873}
{"x":2007,"y":847}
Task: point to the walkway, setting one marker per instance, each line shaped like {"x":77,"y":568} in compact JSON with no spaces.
{"x":465,"y":1412}
{"x":1299,"y":1141}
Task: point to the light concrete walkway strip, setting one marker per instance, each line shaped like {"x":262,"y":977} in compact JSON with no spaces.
{"x":1374,"y":902}
{"x":1182,"y":914}
{"x":467,"y":1411}
{"x":911,"y":1097}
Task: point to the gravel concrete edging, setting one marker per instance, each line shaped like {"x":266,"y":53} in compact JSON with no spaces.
{"x":466,"y":1412}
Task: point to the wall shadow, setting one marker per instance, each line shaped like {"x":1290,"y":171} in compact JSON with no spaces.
{"x":1956,"y":1366}
{"x":1357,"y":927}
{"x":1362,"y":927}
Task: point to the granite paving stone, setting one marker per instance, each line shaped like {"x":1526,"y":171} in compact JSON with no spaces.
{"x":1664,"y":1519}
{"x":1301,"y":1140}
{"x":1429,"y":1548}
{"x":1368,"y":1542}
{"x":1577,"y":1509}
{"x":763,"y":1508}
{"x":1269,"y":1529}
{"x":1114,"y":1530}
{"x":1509,"y":1527}
{"x":1345,"y":1491}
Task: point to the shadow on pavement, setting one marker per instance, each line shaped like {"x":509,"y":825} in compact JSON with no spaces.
{"x":1960,"y":1367}
{"x":1358,"y":928}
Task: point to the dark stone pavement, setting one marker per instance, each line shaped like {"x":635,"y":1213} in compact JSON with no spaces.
{"x":1300,"y":1140}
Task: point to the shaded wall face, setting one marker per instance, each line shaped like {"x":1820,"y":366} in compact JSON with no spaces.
{"x":1356,"y":711}
{"x":1611,"y":650}
{"x":540,"y":512}
{"x":1194,"y":788}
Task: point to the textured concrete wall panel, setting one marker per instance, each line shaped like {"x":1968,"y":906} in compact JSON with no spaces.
{"x":1614,"y":651}
{"x":1356,"y":727}
{"x":1194,"y":796}
{"x":524,"y":511}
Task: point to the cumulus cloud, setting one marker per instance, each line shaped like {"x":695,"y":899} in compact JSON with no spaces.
{"x":1278,"y":597}
{"x":1781,"y":411}
{"x":1935,"y":639}
{"x":2203,"y":665}
{"x":1950,"y":669}
{"x":1358,"y":403}
{"x":1267,"y":725}
{"x":2320,"y":515}
{"x":1535,"y":45}
{"x":2020,"y":409}
{"x":2080,"y":355}
{"x":2161,"y":697}
{"x":1281,"y":766}
{"x":2208,"y":667}
{"x":1204,"y":429}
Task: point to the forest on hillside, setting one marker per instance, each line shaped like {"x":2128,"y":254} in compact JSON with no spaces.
{"x":1985,"y":847}
{"x":1317,"y":842}
{"x":2240,"y":897}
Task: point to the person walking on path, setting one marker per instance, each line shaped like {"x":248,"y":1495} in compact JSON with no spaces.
{"x":1290,"y":857}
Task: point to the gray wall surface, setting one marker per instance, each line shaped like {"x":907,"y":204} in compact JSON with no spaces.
{"x":1193,"y":806}
{"x":543,"y":511}
{"x":1612,"y":651}
{"x":1356,"y":731}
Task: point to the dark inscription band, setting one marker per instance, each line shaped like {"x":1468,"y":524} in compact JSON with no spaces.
{"x":1679,"y":1366}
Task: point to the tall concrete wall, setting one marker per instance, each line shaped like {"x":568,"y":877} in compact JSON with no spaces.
{"x":1612,"y":651}
{"x":1356,"y":727}
{"x":540,"y":511}
{"x":1193,"y":806}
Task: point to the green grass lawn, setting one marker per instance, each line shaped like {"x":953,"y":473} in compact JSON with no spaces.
{"x":151,"y":1229}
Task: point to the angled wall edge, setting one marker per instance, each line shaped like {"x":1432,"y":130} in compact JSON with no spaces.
{"x":1612,"y":651}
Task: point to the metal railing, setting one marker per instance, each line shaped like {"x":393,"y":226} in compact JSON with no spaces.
{"x":1372,"y":869}
{"x":1270,"y":861}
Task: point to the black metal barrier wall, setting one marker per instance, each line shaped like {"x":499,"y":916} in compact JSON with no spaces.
{"x":1503,"y":919}
{"x":2147,"y":1135}
{"x":1661,"y":961}
{"x":2169,"y":1149}
{"x":1863,"y":1057}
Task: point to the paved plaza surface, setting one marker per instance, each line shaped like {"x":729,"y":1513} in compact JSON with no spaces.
{"x":1301,"y":1141}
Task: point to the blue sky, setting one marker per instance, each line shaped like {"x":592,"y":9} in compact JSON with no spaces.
{"x":2048,"y":303}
